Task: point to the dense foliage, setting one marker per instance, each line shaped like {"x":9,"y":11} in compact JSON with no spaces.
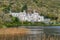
{"x":48,"y":8}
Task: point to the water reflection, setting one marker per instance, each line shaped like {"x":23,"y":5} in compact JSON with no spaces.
{"x":52,"y":30}
{"x":49,"y":32}
{"x":36,"y":33}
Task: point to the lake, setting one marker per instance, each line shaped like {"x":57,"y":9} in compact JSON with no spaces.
{"x":51,"y":30}
{"x":34,"y":33}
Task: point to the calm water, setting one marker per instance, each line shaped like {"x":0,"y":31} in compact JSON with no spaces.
{"x":36,"y":33}
{"x":52,"y":30}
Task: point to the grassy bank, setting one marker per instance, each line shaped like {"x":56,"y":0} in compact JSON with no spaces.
{"x":16,"y":24}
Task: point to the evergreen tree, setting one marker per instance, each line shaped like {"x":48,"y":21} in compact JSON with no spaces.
{"x":24,"y":7}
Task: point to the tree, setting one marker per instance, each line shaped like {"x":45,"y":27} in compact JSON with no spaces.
{"x":24,"y":7}
{"x":1,"y":23}
{"x":7,"y":18}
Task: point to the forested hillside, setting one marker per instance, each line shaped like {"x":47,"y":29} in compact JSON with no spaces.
{"x":48,"y":8}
